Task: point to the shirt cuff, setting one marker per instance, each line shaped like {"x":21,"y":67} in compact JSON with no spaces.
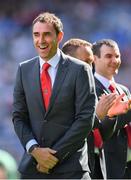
{"x":30,"y":143}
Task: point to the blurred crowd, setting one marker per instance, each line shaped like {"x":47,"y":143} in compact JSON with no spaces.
{"x":87,"y":19}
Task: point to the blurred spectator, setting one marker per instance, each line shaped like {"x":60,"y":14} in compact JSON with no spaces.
{"x":3,"y":173}
{"x":8,"y":166}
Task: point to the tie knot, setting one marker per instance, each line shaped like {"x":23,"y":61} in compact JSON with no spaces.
{"x":112,"y":87}
{"x":45,"y":66}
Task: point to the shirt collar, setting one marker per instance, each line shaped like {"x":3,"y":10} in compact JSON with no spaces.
{"x":105,"y":82}
{"x":53,"y":61}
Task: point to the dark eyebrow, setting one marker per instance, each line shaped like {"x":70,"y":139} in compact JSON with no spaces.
{"x":35,"y":32}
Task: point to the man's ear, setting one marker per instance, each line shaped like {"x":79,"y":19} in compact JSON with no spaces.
{"x":60,"y":36}
{"x":95,"y":58}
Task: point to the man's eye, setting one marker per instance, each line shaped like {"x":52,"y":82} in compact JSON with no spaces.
{"x":36,"y":34}
{"x":48,"y":34}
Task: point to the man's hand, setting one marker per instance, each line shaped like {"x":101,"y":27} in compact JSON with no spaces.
{"x":104,"y":104}
{"x":45,"y":159}
{"x":42,"y":169}
{"x":119,"y":106}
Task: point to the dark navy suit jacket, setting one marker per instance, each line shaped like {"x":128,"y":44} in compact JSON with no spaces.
{"x":68,"y":120}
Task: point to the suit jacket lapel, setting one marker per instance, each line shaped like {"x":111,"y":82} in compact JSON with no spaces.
{"x":121,"y":91}
{"x":60,"y":76}
{"x":101,"y":87}
{"x":37,"y":85}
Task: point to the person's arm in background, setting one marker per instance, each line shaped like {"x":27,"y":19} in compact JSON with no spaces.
{"x":108,"y":125}
{"x":119,"y":110}
{"x":101,"y":120}
{"x":125,"y":117}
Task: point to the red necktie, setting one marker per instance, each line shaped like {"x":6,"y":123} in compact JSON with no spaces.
{"x":46,"y":84}
{"x":112,"y":87}
{"x":97,"y":138}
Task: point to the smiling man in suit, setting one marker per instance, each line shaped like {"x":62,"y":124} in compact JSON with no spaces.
{"x":107,"y":60}
{"x":53,"y":109}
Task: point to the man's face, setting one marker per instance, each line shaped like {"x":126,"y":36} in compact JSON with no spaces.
{"x":46,"y":40}
{"x":108,"y":63}
{"x":85,"y":54}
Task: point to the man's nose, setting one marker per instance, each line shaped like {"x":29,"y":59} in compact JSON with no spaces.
{"x":116,"y":60}
{"x":42,"y":39}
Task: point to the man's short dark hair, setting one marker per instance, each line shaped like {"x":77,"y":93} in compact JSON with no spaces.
{"x":47,"y":17}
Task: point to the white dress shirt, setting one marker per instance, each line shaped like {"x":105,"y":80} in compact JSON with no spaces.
{"x":104,"y":81}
